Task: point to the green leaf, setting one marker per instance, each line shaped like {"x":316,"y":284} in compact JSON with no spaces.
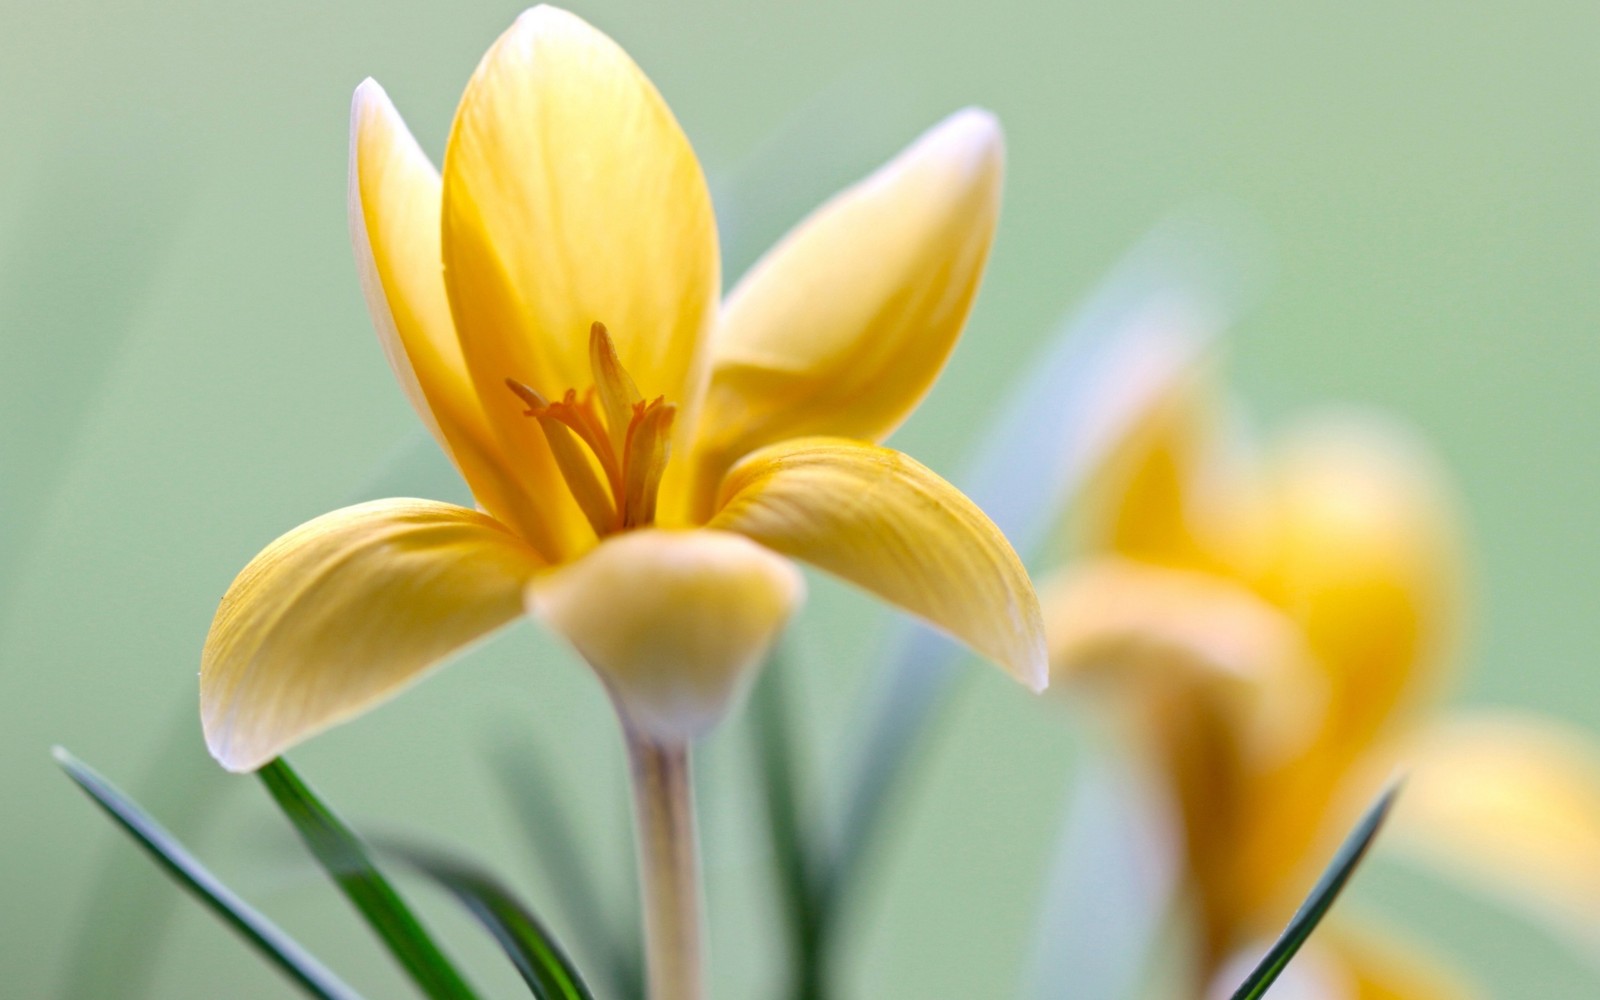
{"x":543,"y":964}
{"x":532,"y":792}
{"x":345,"y":859}
{"x":1321,"y":899}
{"x":293,"y":960}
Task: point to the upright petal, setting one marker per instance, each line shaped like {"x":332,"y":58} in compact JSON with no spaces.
{"x":844,"y":325}
{"x":1171,"y":490}
{"x":1367,"y":560}
{"x":1510,"y":802}
{"x":673,"y":621}
{"x":345,"y":611}
{"x":880,"y":520}
{"x":572,"y":196}
{"x":394,"y":224}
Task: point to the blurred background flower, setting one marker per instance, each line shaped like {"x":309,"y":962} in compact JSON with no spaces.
{"x":173,"y":248}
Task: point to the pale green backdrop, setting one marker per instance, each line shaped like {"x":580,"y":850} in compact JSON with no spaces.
{"x":186,"y":370}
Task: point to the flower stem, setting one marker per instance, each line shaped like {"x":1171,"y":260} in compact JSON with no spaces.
{"x":669,"y":867}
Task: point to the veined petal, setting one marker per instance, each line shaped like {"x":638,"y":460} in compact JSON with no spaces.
{"x":1510,"y":802}
{"x":346,"y":610}
{"x":886,"y":523}
{"x":572,"y":196}
{"x":674,"y":622}
{"x":394,"y":225}
{"x":844,"y":325}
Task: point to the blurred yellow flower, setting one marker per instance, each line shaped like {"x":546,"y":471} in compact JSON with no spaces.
{"x":643,"y":456}
{"x":1273,"y":631}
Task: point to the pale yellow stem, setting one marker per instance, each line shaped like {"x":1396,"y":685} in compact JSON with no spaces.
{"x":669,"y":867}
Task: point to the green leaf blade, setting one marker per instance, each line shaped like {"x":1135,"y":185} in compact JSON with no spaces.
{"x":266,"y":937}
{"x":1321,"y":899}
{"x":530,"y":946}
{"x":343,"y":856}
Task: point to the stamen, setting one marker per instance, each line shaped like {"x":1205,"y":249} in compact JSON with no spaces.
{"x":592,"y":497}
{"x":624,"y":438}
{"x":617,"y":392}
{"x":649,"y":441}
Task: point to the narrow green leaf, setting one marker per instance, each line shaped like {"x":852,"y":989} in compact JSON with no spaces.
{"x":1321,"y":899}
{"x":531,"y":947}
{"x":293,"y":960}
{"x":794,"y":854}
{"x":532,"y":791}
{"x":345,"y":859}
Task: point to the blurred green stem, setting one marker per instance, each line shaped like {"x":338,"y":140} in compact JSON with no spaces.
{"x":797,"y":865}
{"x":669,"y":868}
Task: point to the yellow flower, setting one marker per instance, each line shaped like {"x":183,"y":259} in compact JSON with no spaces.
{"x":1273,"y":630}
{"x":643,"y":457}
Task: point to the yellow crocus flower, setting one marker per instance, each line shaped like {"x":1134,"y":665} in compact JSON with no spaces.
{"x":645,"y":458}
{"x":1273,"y":630}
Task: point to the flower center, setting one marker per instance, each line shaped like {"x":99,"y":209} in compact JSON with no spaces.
{"x":610,"y":445}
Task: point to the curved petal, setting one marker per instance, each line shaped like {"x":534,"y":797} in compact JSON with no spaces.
{"x":1510,"y":802}
{"x":345,"y":611}
{"x":1172,"y":490}
{"x":572,"y":196}
{"x":674,"y":622}
{"x":844,"y":325}
{"x":1117,"y":614}
{"x":394,"y":225}
{"x":886,"y":523}
{"x":1367,"y":559}
{"x":1212,"y":682}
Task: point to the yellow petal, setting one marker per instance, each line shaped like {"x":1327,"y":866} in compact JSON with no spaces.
{"x":880,"y":520}
{"x":1510,"y":802}
{"x":346,"y":610}
{"x":843,"y":326}
{"x":394,"y":225}
{"x":1128,"y":617}
{"x":674,"y":622}
{"x":1172,"y":490}
{"x":1212,"y":683}
{"x":571,"y":196}
{"x":1366,"y":558}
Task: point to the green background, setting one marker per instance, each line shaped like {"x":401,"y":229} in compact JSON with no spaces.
{"x":186,"y":370}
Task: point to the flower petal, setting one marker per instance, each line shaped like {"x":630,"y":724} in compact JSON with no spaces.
{"x":572,"y":196}
{"x":673,"y":621}
{"x":1511,"y":802}
{"x":346,"y":610}
{"x":844,"y":325}
{"x":1172,"y":489}
{"x":1366,"y":558}
{"x":886,"y":523}
{"x":394,"y":225}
